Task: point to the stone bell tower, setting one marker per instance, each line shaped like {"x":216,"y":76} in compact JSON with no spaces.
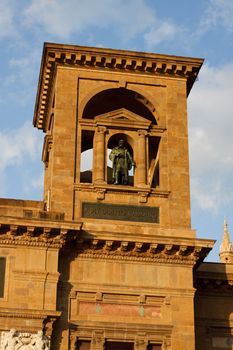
{"x":126,"y":279}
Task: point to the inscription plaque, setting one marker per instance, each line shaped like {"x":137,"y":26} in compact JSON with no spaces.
{"x":120,"y":212}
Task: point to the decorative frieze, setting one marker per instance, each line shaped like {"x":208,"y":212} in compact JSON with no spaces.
{"x":13,"y":340}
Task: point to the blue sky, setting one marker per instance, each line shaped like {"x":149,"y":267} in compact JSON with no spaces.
{"x":202,"y":28}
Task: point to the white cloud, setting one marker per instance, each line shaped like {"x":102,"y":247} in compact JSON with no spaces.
{"x":205,"y":198}
{"x":127,"y":19}
{"x":21,"y":73}
{"x":32,"y":184}
{"x":7,"y":13}
{"x":64,"y":18}
{"x":18,"y":148}
{"x":160,"y":33}
{"x":211,"y":141}
{"x":18,"y":145}
{"x":218,"y":12}
{"x":25,"y":67}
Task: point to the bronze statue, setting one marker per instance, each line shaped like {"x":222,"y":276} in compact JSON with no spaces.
{"x":122,"y":162}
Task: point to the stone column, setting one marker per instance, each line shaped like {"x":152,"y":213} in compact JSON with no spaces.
{"x":141,"y":159}
{"x":99,"y":154}
{"x":97,"y":341}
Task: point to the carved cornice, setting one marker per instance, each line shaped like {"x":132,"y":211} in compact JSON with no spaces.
{"x":100,"y":58}
{"x":104,"y":245}
{"x":148,"y":252}
{"x":37,"y":233}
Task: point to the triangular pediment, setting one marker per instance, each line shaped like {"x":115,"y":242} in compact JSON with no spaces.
{"x":122,"y":117}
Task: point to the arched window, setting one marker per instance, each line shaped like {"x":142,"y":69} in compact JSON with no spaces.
{"x":113,"y":99}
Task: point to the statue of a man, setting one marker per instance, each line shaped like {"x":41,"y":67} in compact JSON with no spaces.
{"x":122,"y":162}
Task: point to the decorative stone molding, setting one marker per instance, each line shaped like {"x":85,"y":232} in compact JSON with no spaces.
{"x":142,"y":193}
{"x":13,"y":340}
{"x":152,"y":334}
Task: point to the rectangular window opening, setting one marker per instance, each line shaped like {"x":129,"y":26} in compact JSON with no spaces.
{"x":83,"y":345}
{"x":86,"y":161}
{"x":2,"y":275}
{"x":154,"y":347}
{"x":153,"y":169}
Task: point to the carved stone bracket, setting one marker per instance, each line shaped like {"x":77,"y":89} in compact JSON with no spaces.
{"x":166,"y":344}
{"x":101,"y":194}
{"x":48,"y":141}
{"x":143,"y":196}
{"x":141,"y":341}
{"x":97,"y":341}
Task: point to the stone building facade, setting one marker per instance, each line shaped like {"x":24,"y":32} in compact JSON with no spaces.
{"x":97,"y":265}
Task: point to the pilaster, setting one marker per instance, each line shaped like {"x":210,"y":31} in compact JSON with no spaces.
{"x":141,"y":161}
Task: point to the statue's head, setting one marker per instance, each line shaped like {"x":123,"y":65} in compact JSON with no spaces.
{"x":12,"y":331}
{"x":40,"y":333}
{"x":121,"y":143}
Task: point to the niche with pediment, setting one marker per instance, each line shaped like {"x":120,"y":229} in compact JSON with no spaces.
{"x":113,"y":115}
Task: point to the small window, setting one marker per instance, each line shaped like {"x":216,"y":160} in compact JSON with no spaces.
{"x":2,"y":275}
